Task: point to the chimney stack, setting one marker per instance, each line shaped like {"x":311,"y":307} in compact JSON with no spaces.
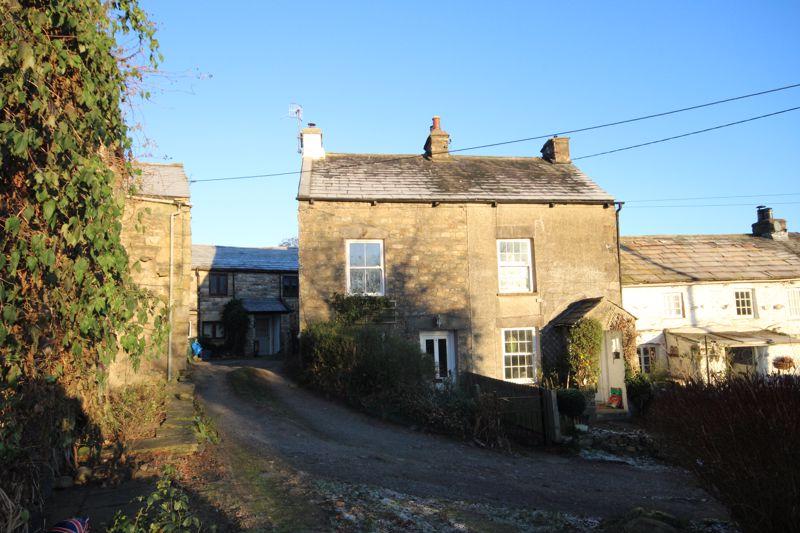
{"x":438,"y":144}
{"x":768,"y":227}
{"x":311,"y":142}
{"x":556,"y":150}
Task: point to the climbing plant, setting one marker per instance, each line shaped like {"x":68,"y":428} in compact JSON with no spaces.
{"x":236,"y":322}
{"x":67,"y":302}
{"x":584,"y":343}
{"x":627,"y":326}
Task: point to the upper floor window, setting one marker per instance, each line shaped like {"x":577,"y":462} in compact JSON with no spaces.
{"x":794,"y":302}
{"x":213,"y":330}
{"x":744,"y":302}
{"x":673,"y":305}
{"x":647,"y":357}
{"x":218,"y":284}
{"x":518,"y":351}
{"x":514,"y":265}
{"x":365,"y":267}
{"x":289,"y":286}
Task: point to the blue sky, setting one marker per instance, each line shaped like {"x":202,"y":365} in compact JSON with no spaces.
{"x":372,"y":74}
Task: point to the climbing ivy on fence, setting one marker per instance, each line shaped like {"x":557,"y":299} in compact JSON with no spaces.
{"x":67,"y":302}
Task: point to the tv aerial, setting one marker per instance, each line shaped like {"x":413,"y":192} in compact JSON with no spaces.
{"x":296,"y":113}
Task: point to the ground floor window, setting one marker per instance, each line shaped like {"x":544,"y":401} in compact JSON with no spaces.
{"x":647,"y":357}
{"x":518,"y":351}
{"x":213,"y":330}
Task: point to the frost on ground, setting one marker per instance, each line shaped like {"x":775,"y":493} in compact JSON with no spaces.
{"x":365,"y":508}
{"x":362,"y":508}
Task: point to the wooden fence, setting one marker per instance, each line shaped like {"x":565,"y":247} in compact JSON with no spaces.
{"x":523,"y":407}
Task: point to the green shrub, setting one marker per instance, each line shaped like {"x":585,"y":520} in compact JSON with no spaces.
{"x":236,"y":322}
{"x":354,"y":363}
{"x":167,"y":509}
{"x":584,"y":343}
{"x":571,"y":402}
{"x":640,"y":392}
{"x":350,"y":309}
{"x":389,"y":377}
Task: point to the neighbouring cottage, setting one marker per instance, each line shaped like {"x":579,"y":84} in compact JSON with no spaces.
{"x":264,"y":279}
{"x":157,"y":234}
{"x":715,"y":305}
{"x":478,"y":254}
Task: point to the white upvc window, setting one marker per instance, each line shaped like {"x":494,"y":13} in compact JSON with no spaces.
{"x":519,"y":349}
{"x":514,"y":265}
{"x":794,"y":302}
{"x":647,"y":357}
{"x":365,"y":267}
{"x":744,"y":302}
{"x":673,"y":305}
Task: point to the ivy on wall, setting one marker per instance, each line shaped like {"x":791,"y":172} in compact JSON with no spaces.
{"x":67,"y":301}
{"x":627,"y":326}
{"x":584,"y":344}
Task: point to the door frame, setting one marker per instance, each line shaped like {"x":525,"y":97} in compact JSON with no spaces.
{"x":449,"y":337}
{"x":273,"y":338}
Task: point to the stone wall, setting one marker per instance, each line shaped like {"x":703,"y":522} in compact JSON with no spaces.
{"x":146,"y":237}
{"x":244,"y":284}
{"x":442,"y":262}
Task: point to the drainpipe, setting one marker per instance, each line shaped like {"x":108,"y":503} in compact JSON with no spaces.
{"x":169,"y":298}
{"x":619,"y":255}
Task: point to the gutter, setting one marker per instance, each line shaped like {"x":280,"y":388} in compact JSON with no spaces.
{"x":619,"y":253}
{"x":605,"y":203}
{"x":169,"y":298}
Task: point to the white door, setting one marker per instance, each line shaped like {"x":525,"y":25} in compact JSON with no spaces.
{"x":267,"y":335}
{"x":612,"y":367}
{"x":440,"y":344}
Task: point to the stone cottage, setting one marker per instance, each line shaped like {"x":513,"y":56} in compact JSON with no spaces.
{"x":157,"y":234}
{"x":712,"y":305}
{"x":264,"y":279}
{"x":478,"y":253}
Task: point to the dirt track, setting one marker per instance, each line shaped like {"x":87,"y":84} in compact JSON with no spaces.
{"x":328,"y":441}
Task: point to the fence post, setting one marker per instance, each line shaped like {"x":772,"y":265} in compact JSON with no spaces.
{"x":550,"y":417}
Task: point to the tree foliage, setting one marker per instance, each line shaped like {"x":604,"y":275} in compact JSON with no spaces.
{"x":236,"y":322}
{"x":67,"y":302}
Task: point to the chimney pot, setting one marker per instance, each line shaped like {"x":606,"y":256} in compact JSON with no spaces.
{"x":768,"y":227}
{"x":437,"y":146}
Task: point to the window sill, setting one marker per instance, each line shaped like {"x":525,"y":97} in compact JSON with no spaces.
{"x":533,"y":293}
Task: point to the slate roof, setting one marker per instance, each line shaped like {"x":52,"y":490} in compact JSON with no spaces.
{"x":163,"y":180}
{"x":275,"y":259}
{"x":411,"y":178}
{"x":264,"y":305}
{"x":606,"y":309}
{"x":760,"y":337}
{"x":688,"y":258}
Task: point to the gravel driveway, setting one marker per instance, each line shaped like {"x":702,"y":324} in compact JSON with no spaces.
{"x":328,"y":441}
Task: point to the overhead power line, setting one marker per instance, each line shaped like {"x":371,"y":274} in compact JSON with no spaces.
{"x":548,"y":135}
{"x":705,"y":205}
{"x":712,"y":197}
{"x":665,"y":139}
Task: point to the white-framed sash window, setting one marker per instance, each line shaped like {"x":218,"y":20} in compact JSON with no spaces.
{"x":744,"y":301}
{"x":673,"y":305}
{"x":514,"y":266}
{"x":794,"y":302}
{"x":519,"y":351}
{"x":365,"y":267}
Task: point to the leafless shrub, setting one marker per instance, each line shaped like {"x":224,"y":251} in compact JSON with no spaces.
{"x":742,"y":439}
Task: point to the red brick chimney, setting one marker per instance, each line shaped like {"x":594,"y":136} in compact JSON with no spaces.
{"x":438,"y":144}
